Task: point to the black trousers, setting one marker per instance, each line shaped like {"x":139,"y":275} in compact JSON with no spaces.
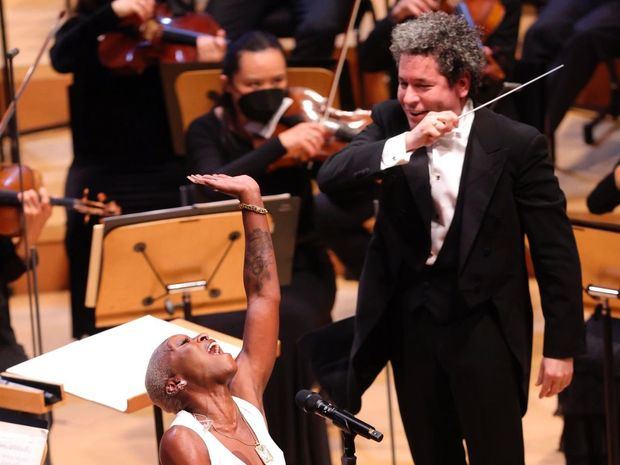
{"x":455,"y":382}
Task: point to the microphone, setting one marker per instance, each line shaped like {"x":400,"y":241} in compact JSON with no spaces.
{"x":311,"y":402}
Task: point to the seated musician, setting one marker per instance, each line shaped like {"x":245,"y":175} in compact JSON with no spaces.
{"x":219,"y":400}
{"x":238,"y":137}
{"x":13,"y":258}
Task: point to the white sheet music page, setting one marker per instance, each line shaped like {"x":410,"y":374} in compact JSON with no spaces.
{"x":21,"y":445}
{"x":109,"y":367}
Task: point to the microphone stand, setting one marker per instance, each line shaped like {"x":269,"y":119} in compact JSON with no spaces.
{"x":348,"y":449}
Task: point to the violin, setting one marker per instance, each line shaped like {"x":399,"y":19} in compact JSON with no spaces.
{"x":309,"y":106}
{"x":486,"y":16}
{"x":162,"y":39}
{"x":10,"y":205}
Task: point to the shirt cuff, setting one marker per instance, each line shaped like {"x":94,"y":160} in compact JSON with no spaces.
{"x":395,"y":152}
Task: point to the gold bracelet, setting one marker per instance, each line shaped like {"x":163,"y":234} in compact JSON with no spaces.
{"x":253,"y":208}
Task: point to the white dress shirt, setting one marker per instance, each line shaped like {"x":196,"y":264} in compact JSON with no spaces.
{"x":445,"y":165}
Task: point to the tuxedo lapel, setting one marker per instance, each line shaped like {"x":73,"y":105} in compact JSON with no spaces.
{"x":416,"y":174}
{"x":486,"y":159}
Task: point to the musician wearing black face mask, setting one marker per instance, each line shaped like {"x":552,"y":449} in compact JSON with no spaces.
{"x":239,"y":137}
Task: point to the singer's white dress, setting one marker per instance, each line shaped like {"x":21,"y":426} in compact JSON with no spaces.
{"x":218,"y":453}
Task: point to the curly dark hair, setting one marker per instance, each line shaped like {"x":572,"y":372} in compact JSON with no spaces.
{"x":453,"y":43}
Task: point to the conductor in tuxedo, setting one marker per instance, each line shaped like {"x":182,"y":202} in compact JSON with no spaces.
{"x":444,"y":289}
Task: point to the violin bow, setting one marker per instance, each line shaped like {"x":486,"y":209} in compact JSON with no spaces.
{"x":341,"y":58}
{"x":499,"y":97}
{"x":11,"y":108}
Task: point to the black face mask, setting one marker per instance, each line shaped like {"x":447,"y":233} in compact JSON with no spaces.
{"x":261,"y":105}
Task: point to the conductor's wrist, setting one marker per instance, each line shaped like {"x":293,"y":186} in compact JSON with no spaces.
{"x":412,"y":142}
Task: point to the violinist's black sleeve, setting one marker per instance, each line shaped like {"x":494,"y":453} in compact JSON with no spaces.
{"x":77,"y":39}
{"x":11,"y":265}
{"x":11,"y":268}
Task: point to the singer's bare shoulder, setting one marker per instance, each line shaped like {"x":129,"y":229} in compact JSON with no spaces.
{"x":180,"y":446}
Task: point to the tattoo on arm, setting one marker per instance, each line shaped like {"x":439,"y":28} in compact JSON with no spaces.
{"x":258,"y":255}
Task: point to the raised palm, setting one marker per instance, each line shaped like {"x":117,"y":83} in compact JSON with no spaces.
{"x":235,"y":186}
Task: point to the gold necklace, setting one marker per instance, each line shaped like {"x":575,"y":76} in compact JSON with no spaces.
{"x":263,"y":452}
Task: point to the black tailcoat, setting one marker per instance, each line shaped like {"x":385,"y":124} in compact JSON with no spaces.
{"x":508,"y":191}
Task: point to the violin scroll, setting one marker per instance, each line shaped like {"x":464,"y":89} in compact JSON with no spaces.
{"x":98,"y":207}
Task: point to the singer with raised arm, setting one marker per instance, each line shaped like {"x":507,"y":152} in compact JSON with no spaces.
{"x":218,"y":400}
{"x":444,"y":289}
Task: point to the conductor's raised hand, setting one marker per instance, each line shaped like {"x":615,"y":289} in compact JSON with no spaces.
{"x":37,"y":210}
{"x":554,"y":375}
{"x":242,"y":187}
{"x":433,"y":126}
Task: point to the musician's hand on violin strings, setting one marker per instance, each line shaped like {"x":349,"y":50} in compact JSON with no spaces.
{"x":304,"y":139}
{"x":432,"y":127}
{"x":212,"y":48}
{"x":143,"y":9}
{"x":37,"y":210}
{"x":405,"y":9}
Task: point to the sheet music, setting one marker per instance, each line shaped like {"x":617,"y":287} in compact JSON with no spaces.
{"x":109,"y":367}
{"x":21,"y":445}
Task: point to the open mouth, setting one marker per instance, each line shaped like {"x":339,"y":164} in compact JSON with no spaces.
{"x":416,"y":114}
{"x":214,"y":348}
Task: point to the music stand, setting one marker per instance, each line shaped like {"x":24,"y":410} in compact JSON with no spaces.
{"x":180,"y":262}
{"x":600,"y":269}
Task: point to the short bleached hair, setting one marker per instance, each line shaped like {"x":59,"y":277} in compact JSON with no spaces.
{"x":157,"y":373}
